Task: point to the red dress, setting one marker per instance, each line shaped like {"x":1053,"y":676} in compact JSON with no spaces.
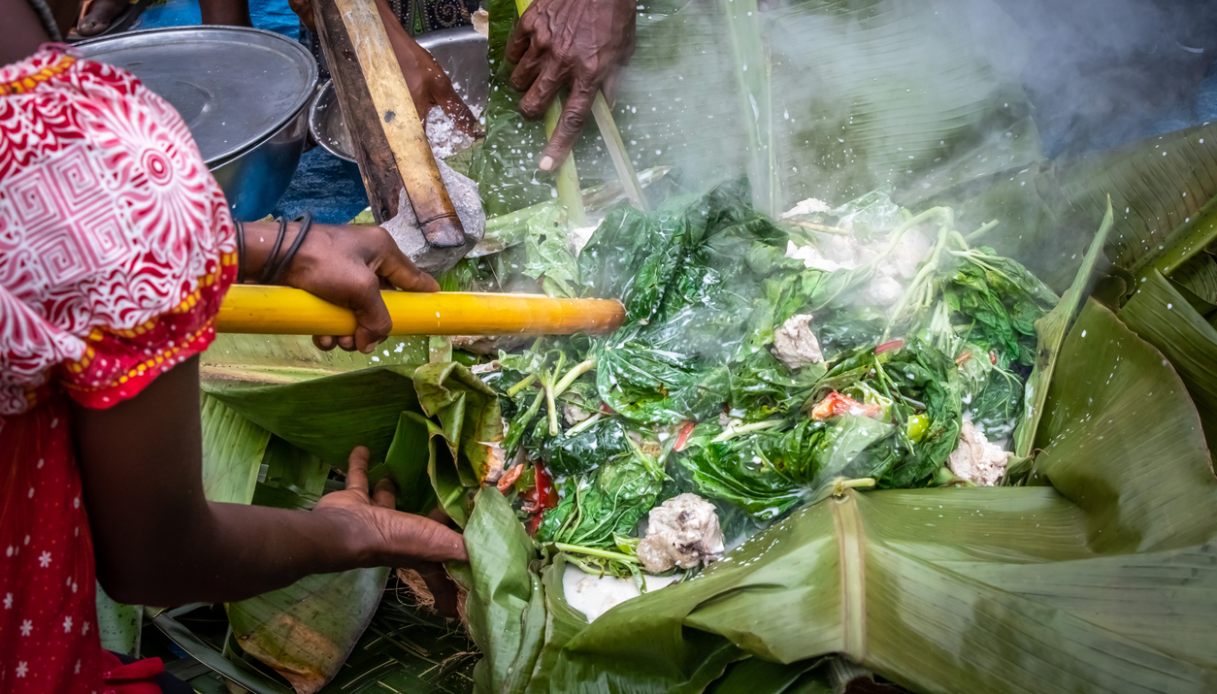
{"x":116,"y":247}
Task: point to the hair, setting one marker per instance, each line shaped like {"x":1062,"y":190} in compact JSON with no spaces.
{"x":47,"y":17}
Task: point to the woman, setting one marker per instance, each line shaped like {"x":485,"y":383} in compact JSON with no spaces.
{"x":116,"y":247}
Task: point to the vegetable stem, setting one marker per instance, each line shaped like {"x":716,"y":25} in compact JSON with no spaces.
{"x":551,"y":406}
{"x":733,"y":432}
{"x":573,"y":375}
{"x":584,"y":425}
{"x":840,"y":486}
{"x":526,"y":382}
{"x":594,"y":552}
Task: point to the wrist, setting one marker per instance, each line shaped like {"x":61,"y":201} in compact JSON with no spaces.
{"x":270,"y":249}
{"x":360,"y":544}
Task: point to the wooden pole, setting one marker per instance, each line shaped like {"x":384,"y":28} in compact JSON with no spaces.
{"x":266,"y":310}
{"x":391,"y":144}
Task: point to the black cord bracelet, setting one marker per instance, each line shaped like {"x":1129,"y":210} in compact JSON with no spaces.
{"x":306,"y":223}
{"x":240,"y":250}
{"x":269,"y":266}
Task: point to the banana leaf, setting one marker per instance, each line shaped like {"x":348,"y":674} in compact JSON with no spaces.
{"x":280,"y":406}
{"x":1044,"y":588}
{"x":824,"y":98}
{"x":1160,"y":314}
{"x":1161,"y":190}
{"x":307,"y":630}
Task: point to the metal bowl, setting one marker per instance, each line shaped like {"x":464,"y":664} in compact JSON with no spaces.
{"x":242,"y":92}
{"x":460,"y":52}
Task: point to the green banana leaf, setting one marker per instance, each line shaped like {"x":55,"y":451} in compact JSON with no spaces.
{"x":280,"y":411}
{"x":1161,"y":190}
{"x":1044,"y":588}
{"x":1160,"y":314}
{"x":839,"y":98}
{"x":1050,"y":331}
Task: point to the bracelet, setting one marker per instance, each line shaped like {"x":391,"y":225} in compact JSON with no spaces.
{"x":269,"y":266}
{"x":306,"y":223}
{"x":240,"y":249}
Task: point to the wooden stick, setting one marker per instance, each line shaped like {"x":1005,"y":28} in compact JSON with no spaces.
{"x":391,"y":143}
{"x":267,"y":310}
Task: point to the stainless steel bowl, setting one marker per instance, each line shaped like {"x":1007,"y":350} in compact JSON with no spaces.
{"x":242,"y":92}
{"x":460,"y":52}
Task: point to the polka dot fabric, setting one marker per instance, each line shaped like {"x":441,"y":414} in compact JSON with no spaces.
{"x":116,"y":248}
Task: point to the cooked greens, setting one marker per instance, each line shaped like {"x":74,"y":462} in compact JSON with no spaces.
{"x":761,"y":361}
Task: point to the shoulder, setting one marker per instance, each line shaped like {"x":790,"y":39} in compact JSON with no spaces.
{"x":109,"y":219}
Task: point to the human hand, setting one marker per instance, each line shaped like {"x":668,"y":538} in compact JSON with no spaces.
{"x":392,"y":538}
{"x":577,"y":44}
{"x":429,"y":84}
{"x":347,"y":266}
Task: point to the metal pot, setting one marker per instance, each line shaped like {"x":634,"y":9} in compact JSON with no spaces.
{"x":242,"y":92}
{"x":461,"y":52}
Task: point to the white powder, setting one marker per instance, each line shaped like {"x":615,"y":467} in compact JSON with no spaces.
{"x":447,"y":139}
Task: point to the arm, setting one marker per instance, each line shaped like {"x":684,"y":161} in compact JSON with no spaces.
{"x":580,"y":45}
{"x":429,"y":84}
{"x":228,"y":12}
{"x":159,"y":541}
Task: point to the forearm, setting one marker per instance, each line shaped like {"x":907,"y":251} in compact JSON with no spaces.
{"x":158,"y":540}
{"x":225,"y":12}
{"x":232,"y":552}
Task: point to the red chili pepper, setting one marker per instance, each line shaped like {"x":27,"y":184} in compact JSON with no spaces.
{"x":993,"y":358}
{"x":682,"y":438}
{"x":540,"y":498}
{"x":836,"y":404}
{"x":889,"y":346}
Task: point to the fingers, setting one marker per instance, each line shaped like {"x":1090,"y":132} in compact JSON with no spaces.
{"x":521,"y":39}
{"x":372,"y":322}
{"x":357,"y":469}
{"x":433,"y":541}
{"x":527,"y":69}
{"x":385,"y":494}
{"x":543,"y":91}
{"x":463,"y":118}
{"x":612,"y":84}
{"x":401,"y":272}
{"x":570,"y":125}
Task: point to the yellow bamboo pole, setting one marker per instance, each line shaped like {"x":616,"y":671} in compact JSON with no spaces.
{"x":271,"y":310}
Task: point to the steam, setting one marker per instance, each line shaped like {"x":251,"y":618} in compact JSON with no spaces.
{"x":1100,"y":73}
{"x":859,"y":89}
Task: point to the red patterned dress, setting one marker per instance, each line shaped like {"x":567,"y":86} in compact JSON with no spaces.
{"x":116,"y":247}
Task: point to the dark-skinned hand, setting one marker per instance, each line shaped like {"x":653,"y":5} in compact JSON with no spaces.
{"x":580,"y":45}
{"x":429,"y":84}
{"x":346,"y":266}
{"x":397,"y":538}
